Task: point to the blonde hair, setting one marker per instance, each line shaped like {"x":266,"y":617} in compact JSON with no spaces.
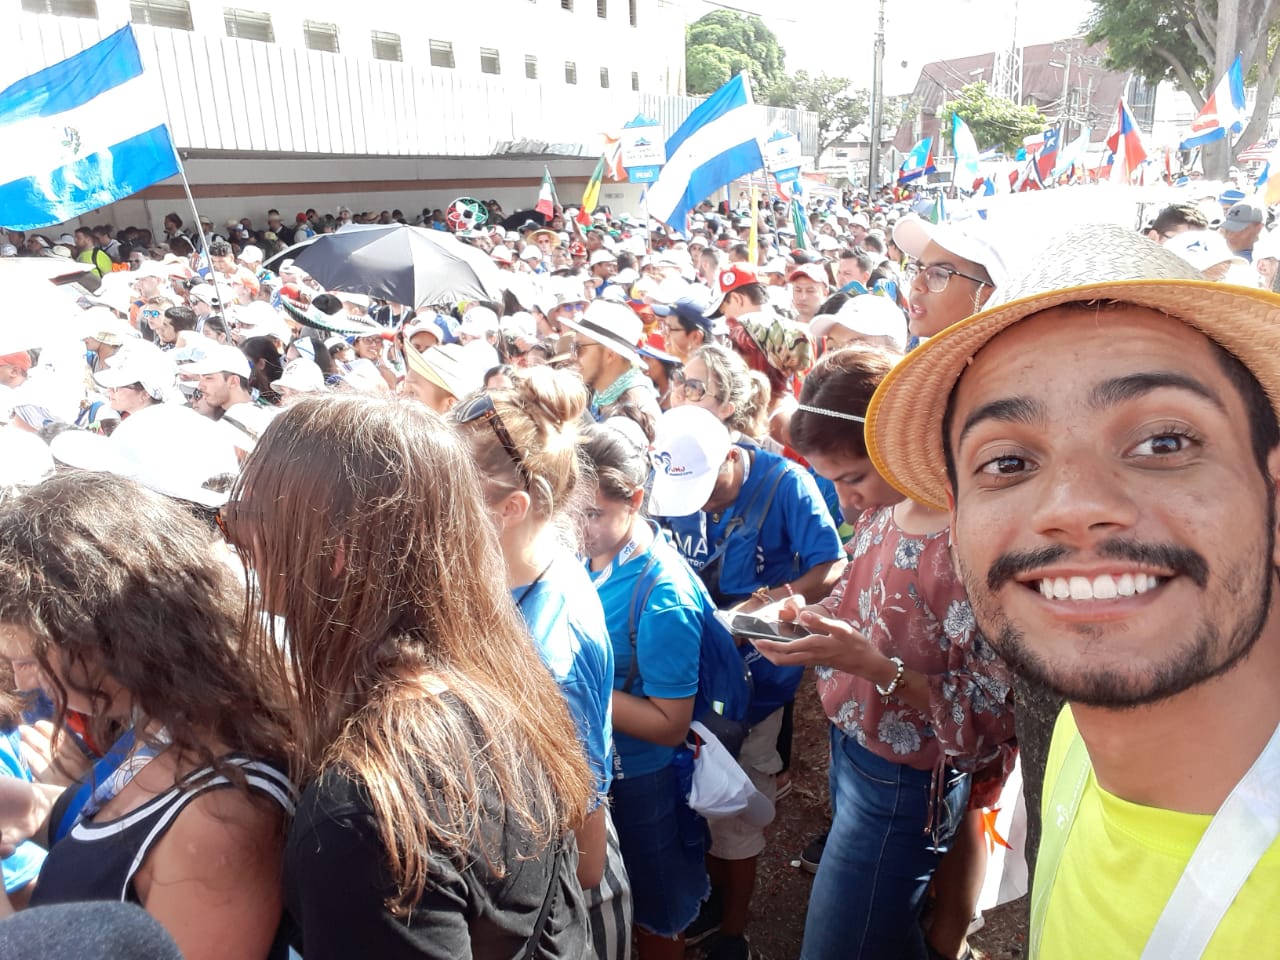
{"x":541,"y":411}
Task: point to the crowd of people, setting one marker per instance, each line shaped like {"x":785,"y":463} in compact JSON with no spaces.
{"x":341,"y":627}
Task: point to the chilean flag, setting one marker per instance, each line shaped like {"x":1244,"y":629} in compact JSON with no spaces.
{"x":1125,"y":143}
{"x":1224,"y":110}
{"x":1047,"y":157}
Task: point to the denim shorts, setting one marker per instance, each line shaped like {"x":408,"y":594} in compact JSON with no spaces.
{"x":668,"y":876}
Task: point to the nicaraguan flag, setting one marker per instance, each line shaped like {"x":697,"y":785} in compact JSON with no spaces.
{"x":1224,"y":110}
{"x":966,"y":150}
{"x":716,"y":145}
{"x":82,"y":133}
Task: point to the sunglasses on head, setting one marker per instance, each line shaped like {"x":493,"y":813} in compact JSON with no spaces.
{"x":480,"y":407}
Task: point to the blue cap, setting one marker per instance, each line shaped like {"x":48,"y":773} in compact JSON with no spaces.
{"x":1230,"y":197}
{"x":691,"y":309}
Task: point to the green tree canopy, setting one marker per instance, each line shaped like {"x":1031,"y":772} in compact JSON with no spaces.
{"x":1193,"y":42}
{"x":995,"y":121}
{"x":722,"y":43}
{"x":838,"y":108}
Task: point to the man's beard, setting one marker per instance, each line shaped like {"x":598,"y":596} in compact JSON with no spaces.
{"x":1209,"y":652}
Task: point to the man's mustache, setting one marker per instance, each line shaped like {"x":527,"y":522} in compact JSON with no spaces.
{"x":1165,"y":556}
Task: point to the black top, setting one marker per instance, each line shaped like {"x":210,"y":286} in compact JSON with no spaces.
{"x":97,"y":860}
{"x":337,"y":880}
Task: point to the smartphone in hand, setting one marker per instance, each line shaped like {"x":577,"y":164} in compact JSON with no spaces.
{"x":754,"y":628}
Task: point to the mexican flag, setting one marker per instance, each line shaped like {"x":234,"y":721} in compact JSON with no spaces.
{"x":546,"y":195}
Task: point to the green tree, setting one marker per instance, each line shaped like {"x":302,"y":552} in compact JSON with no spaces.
{"x":838,"y":108}
{"x":995,"y":121}
{"x":1193,"y":42}
{"x":722,"y":43}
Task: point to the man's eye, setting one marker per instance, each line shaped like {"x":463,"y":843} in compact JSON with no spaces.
{"x":1006,"y":466}
{"x":1162,"y":445}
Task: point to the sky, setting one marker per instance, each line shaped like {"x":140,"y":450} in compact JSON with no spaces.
{"x":836,"y":36}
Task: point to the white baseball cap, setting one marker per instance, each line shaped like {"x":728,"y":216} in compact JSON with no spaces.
{"x":302,"y":375}
{"x":250,"y":254}
{"x":870,"y":315}
{"x":221,"y":358}
{"x":689,"y":447}
{"x":138,"y":362}
{"x":967,"y":239}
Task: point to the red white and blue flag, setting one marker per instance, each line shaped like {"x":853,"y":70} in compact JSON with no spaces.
{"x":1259,"y":151}
{"x":918,"y":162}
{"x":1223,"y":112}
{"x":1125,"y":143}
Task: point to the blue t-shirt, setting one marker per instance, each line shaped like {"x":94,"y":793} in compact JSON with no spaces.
{"x":795,"y":535}
{"x":668,"y":641}
{"x":567,"y":623}
{"x":23,"y":865}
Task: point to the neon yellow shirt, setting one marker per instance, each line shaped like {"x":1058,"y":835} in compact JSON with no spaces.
{"x":1120,"y":866}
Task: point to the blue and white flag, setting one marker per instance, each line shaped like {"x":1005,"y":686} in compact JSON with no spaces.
{"x":717,"y":144}
{"x":83,"y":133}
{"x":966,"y":170}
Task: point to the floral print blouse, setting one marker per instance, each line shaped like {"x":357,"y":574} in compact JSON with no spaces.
{"x":901,"y":592}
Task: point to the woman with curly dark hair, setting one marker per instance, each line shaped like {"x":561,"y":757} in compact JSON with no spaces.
{"x":117,"y":597}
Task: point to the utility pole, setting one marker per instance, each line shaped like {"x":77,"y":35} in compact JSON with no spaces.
{"x":1064,"y":111}
{"x":877,"y":108}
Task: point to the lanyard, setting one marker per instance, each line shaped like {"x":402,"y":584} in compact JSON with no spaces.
{"x":524,"y":595}
{"x":1243,"y":829}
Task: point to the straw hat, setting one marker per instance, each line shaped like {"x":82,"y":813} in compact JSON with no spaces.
{"x":904,"y":419}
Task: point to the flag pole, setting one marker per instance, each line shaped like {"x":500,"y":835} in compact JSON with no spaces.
{"x":204,"y":243}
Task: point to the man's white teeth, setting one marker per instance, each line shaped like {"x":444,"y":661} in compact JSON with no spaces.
{"x":1104,"y":587}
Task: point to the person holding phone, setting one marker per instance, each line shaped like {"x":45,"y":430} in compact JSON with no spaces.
{"x":916,"y":697}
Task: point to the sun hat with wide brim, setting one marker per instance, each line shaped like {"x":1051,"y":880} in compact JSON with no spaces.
{"x":1085,"y":264}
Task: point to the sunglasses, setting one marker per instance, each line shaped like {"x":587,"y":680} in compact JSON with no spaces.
{"x":693,"y":388}
{"x":150,"y":314}
{"x":480,"y":407}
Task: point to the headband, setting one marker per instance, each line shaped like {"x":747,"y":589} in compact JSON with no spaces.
{"x":830,"y":413}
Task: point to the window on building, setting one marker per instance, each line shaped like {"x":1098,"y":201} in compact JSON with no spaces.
{"x":489,"y":62}
{"x":248,"y":25}
{"x":442,"y":53}
{"x":632,"y":11}
{"x":566,"y":4}
{"x":604,"y":77}
{"x":386,"y":46}
{"x":320,"y":36}
{"x":174,"y":14}
{"x":635,"y":80}
{"x":531,"y":66}
{"x":602,"y":9}
{"x":63,"y":8}
{"x":570,"y":72}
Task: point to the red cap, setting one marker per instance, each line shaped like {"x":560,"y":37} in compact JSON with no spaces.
{"x":731,"y":278}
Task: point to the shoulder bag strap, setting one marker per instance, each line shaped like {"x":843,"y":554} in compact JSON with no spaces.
{"x":540,"y":925}
{"x":1061,"y":817}
{"x":635,"y":606}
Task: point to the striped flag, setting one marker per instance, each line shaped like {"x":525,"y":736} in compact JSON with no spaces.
{"x":546,"y":204}
{"x":1223,"y":112}
{"x":83,"y":132}
{"x":1125,"y":143}
{"x":716,"y":145}
{"x":1259,"y":151}
{"x":591,"y":196}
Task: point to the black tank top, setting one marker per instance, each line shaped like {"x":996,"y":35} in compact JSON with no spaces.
{"x":98,"y":860}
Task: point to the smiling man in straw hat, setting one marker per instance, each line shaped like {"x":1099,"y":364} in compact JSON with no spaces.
{"x":1105,"y":436}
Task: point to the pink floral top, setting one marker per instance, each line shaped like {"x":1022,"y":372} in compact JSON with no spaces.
{"x":902,"y":593}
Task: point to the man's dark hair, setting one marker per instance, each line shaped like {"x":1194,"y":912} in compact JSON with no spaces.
{"x":739,"y":250}
{"x":866,"y":262}
{"x":214,"y":325}
{"x":181,"y":318}
{"x":1179,"y":215}
{"x":754,"y":292}
{"x":626,"y":261}
{"x":175,"y":218}
{"x":219,"y":248}
{"x":873,"y":244}
{"x":1264,"y":427}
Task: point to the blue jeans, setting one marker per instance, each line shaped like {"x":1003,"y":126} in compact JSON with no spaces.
{"x":879,"y":858}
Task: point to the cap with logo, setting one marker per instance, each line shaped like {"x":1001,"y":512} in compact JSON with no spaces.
{"x":730,"y":279}
{"x":689,"y":447}
{"x":221,"y":358}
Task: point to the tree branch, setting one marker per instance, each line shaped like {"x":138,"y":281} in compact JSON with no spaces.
{"x":1206,"y":25}
{"x":1200,"y":41}
{"x":1185,"y":80}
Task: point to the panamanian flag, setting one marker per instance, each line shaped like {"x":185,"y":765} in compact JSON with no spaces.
{"x":84,"y":132}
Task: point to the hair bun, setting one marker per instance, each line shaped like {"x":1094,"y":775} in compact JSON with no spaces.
{"x":559,"y":396}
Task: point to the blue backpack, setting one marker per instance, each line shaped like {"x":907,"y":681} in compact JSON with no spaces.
{"x":723,"y":699}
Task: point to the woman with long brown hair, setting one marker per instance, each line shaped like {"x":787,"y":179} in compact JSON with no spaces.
{"x":116,"y":599}
{"x":441,"y":770}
